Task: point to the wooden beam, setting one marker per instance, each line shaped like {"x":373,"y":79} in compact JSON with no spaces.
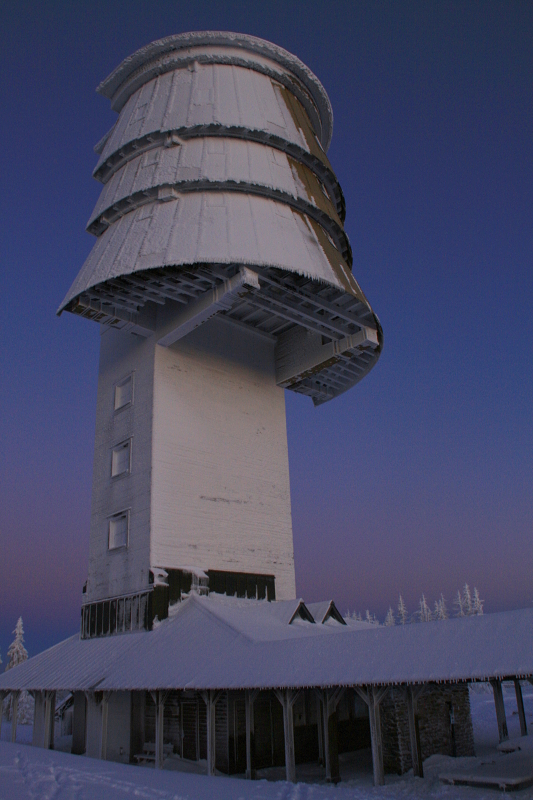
{"x":250,"y":696}
{"x":105,"y":715}
{"x":372,"y":696}
{"x":500,"y":710}
{"x":210,"y":303}
{"x":287,"y":698}
{"x":414,"y":731}
{"x":49,"y":717}
{"x":329,"y":700}
{"x":14,"y":714}
{"x":520,"y":707}
{"x":159,"y":698}
{"x":79,"y":723}
{"x":320,"y":728}
{"x":210,"y":698}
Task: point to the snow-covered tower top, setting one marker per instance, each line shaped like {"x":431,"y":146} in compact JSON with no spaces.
{"x":218,"y":195}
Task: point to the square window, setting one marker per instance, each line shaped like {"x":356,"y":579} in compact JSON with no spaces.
{"x":124,"y":393}
{"x":118,"y":530}
{"x":120,"y":459}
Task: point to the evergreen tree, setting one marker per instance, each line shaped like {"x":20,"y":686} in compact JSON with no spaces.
{"x":402,"y":612}
{"x":17,"y":654}
{"x":424,"y":612}
{"x":389,"y":619}
{"x":459,"y":605}
{"x":477,"y":604}
{"x":371,"y":618}
{"x":467,"y":601}
{"x":441,"y":612}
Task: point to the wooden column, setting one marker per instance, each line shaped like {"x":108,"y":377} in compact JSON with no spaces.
{"x":210,"y":698}
{"x":500,"y":710}
{"x":159,"y":698}
{"x":49,"y":719}
{"x":14,"y":714}
{"x":329,"y":701}
{"x":38,"y":719}
{"x":250,"y":696}
{"x":320,"y":729}
{"x":79,"y":723}
{"x":105,"y":714}
{"x":520,"y":707}
{"x":412,"y":695}
{"x":372,"y":695}
{"x":137,"y":724}
{"x":287,"y":698}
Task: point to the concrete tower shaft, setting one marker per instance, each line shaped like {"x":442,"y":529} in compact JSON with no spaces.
{"x":221,"y":275}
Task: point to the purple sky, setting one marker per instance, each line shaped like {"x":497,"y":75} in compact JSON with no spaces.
{"x":421,"y":477}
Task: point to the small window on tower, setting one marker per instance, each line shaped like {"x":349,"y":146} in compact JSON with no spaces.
{"x":121,"y":459}
{"x":118,"y":530}
{"x":124,"y":393}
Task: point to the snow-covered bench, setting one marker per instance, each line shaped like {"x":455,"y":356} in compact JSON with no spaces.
{"x":148,"y":753}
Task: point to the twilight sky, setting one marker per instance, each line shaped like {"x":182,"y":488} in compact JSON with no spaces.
{"x":420,"y":478}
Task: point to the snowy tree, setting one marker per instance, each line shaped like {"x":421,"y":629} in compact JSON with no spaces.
{"x":441,"y":612}
{"x":371,"y":618}
{"x":390,"y":619}
{"x":424,"y":612}
{"x":402,"y":612}
{"x":477,"y":604}
{"x":459,"y":605}
{"x":467,"y":601}
{"x":17,"y":654}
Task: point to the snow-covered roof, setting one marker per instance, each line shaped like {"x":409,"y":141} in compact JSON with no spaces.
{"x":226,"y":643}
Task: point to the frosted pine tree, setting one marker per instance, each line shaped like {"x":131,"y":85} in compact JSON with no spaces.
{"x":390,"y":619}
{"x":477,"y":603}
{"x":17,"y":654}
{"x":467,"y":601}
{"x":459,"y":605}
{"x":371,"y":618}
{"x":402,"y":612}
{"x":424,"y":612}
{"x":441,"y":612}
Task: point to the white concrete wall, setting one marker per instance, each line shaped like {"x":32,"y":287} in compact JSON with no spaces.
{"x":115,"y":572}
{"x":209,"y":482}
{"x":94,"y":728}
{"x":220,"y":472}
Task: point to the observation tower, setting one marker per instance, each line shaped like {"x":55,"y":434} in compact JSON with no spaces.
{"x":221,"y":276}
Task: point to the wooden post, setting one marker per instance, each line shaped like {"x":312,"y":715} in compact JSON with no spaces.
{"x":49,"y":719}
{"x":14,"y":715}
{"x":38,"y":719}
{"x":250,"y":696}
{"x":287,"y":698}
{"x":373,"y":697}
{"x":329,"y":701}
{"x":159,"y":698}
{"x":414,"y":731}
{"x":520,"y":707}
{"x":79,"y":722}
{"x":500,"y":710}
{"x":105,"y":714}
{"x":210,"y":698}
{"x":320,"y":730}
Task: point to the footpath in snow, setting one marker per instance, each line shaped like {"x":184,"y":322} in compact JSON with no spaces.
{"x":28,"y":773}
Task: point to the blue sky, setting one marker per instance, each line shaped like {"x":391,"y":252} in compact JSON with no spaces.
{"x":420,"y":478}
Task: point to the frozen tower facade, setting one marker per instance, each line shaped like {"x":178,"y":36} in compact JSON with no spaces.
{"x":220,"y":277}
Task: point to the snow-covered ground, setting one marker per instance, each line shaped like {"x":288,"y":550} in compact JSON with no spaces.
{"x":28,"y":773}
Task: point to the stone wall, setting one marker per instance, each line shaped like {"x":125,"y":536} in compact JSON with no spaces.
{"x":440,"y":732}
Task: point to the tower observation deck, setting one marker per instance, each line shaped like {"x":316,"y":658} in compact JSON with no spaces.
{"x":221,"y":276}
